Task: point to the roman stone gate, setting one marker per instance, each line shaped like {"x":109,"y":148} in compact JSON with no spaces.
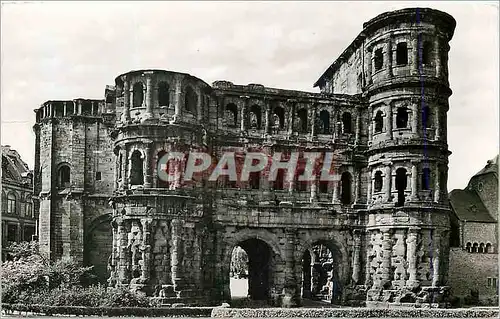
{"x":376,"y":233}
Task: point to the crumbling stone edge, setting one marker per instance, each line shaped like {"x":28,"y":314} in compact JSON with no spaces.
{"x":224,"y":312}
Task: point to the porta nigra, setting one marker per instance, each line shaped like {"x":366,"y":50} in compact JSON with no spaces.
{"x":383,"y":225}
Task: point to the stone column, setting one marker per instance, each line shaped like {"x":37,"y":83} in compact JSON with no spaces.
{"x":437,"y":122}
{"x":65,"y":108}
{"x":388,"y":56}
{"x":368,"y":71}
{"x":335,"y":198}
{"x":415,"y":62}
{"x":149,"y":99}
{"x":414,"y":118}
{"x":370,"y":129}
{"x":291,"y":183}
{"x":334,"y":125}
{"x":369,"y":191}
{"x":146,"y":250}
{"x":243,"y":115}
{"x":314,"y":186}
{"x":147,"y":166}
{"x":123,"y":252}
{"x":200,"y":105}
{"x":414,"y":179}
{"x":178,"y":99}
{"x":437,"y":186}
{"x":411,"y":255}
{"x":386,"y":274}
{"x":124,"y":165}
{"x":437,"y":59}
{"x":221,"y":119}
{"x":267,"y":127}
{"x":291,"y":115}
{"x":126,"y":102}
{"x":356,"y":264}
{"x":358,"y":127}
{"x":51,"y":111}
{"x":436,"y":277}
{"x":176,"y":252}
{"x":290,"y":290}
{"x":388,"y":182}
{"x":389,"y":121}
{"x":312,"y":120}
{"x":357,"y":185}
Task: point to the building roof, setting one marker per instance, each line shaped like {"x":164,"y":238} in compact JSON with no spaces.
{"x":14,"y":169}
{"x":491,"y":167}
{"x":468,"y":206}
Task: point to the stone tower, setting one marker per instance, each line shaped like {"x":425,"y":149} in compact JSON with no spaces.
{"x":407,"y":89}
{"x":73,"y":174}
{"x":399,"y":64}
{"x":158,"y":225}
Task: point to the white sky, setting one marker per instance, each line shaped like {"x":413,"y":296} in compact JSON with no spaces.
{"x":58,"y":50}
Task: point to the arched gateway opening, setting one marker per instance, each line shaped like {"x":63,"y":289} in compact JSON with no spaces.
{"x":251,"y":271}
{"x":320,"y":274}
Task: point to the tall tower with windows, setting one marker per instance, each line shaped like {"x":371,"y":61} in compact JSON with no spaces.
{"x":406,"y":56}
{"x":158,"y":224}
{"x":398,"y":64}
{"x":73,"y":172}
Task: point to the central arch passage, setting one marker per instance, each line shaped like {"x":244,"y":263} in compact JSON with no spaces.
{"x":259,"y":268}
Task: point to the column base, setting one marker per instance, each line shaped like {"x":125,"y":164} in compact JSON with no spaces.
{"x":429,"y":297}
{"x":290,"y":298}
{"x":146,"y":117}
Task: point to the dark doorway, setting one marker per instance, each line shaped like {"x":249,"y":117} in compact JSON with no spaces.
{"x":258,"y":269}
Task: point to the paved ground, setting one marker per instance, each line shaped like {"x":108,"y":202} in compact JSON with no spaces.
{"x":239,"y":287}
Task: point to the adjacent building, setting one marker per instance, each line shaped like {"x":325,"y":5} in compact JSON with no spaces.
{"x":18,"y":217}
{"x":474,"y":240}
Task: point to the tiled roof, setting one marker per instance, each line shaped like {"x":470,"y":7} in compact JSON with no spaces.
{"x":468,"y":206}
{"x":491,"y":167}
{"x":13,"y":167}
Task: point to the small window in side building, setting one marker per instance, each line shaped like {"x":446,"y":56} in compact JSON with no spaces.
{"x":489,"y":282}
{"x":11,"y":233}
{"x":98,"y":176}
{"x":402,"y":54}
{"x":494,"y":282}
{"x":378,"y":59}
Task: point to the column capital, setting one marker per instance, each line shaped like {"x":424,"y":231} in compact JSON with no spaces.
{"x":414,"y":230}
{"x":385,"y":230}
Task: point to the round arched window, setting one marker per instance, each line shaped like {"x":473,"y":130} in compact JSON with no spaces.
{"x":480,"y":186}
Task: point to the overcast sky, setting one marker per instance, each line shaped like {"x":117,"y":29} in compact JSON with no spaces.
{"x":58,"y":50}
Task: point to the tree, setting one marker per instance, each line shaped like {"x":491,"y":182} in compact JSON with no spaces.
{"x":239,"y":261}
